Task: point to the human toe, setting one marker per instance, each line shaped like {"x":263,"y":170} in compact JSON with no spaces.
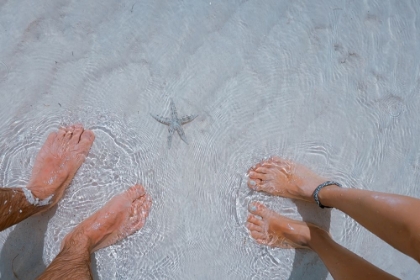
{"x":254,"y":174}
{"x":86,"y":140}
{"x":258,"y":209}
{"x":137,"y":215}
{"x":135,"y":192}
{"x":77,"y":132}
{"x":141,"y":206}
{"x":140,"y":209}
{"x":254,"y":184}
{"x":269,"y":164}
{"x":261,"y":173}
{"x":69,"y":133}
{"x":258,"y":236}
{"x":259,"y":164}
{"x":146,"y":202}
{"x":253,"y":227}
{"x":61,"y":133}
{"x":254,"y":220}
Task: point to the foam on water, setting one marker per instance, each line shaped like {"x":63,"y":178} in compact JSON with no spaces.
{"x":331,"y":84}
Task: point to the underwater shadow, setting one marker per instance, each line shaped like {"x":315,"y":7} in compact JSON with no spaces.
{"x":21,"y":255}
{"x":94,"y":267}
{"x":307,"y":264}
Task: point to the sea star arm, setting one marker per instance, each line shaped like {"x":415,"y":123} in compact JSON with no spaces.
{"x":161,"y":119}
{"x":171,"y":133}
{"x":174,"y":114}
{"x":187,"y":119}
{"x":182,"y":134}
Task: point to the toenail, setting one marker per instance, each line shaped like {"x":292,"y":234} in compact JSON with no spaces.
{"x":252,"y":208}
{"x":252,"y":183}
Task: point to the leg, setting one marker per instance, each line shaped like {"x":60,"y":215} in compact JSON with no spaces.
{"x":55,"y":165}
{"x":391,"y":217}
{"x":121,"y":216}
{"x":270,"y":228}
{"x":14,"y":207}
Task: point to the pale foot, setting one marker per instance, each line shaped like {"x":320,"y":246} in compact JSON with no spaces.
{"x":272,"y":229}
{"x":58,"y":160}
{"x":284,"y":178}
{"x":123,"y":215}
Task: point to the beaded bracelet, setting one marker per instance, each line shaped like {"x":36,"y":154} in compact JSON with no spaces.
{"x":315,"y":194}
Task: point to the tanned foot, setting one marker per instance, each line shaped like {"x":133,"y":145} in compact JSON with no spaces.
{"x":58,"y":160}
{"x":284,"y":178}
{"x":123,"y":215}
{"x":269,"y":228}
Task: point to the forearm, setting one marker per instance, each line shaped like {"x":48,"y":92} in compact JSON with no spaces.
{"x":342,"y":263}
{"x":391,"y":217}
{"x":14,"y":207}
{"x":73,"y":261}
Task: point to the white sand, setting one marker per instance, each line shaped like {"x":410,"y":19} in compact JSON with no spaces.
{"x":332,"y":84}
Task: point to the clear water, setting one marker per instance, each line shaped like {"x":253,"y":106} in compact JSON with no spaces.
{"x":331,"y":84}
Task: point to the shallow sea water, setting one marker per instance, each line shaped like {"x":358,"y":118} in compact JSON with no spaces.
{"x":334,"y":85}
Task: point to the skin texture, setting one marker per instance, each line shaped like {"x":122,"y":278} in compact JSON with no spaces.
{"x":391,"y":217}
{"x":55,"y":166}
{"x":123,"y":215}
{"x":15,"y":208}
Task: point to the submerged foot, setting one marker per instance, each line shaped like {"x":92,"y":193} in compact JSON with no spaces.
{"x":269,"y":228}
{"x":123,"y":215}
{"x":58,"y":160}
{"x":284,"y":178}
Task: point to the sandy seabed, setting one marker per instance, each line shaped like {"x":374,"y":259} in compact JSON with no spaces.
{"x":332,"y":84}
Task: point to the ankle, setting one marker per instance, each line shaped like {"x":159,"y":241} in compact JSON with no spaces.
{"x":37,"y":191}
{"x":35,"y":199}
{"x":77,"y":241}
{"x":317,"y":236}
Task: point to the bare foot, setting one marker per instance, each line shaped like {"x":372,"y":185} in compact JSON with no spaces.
{"x":284,"y":178}
{"x":123,"y":215}
{"x":58,"y":160}
{"x":269,"y":228}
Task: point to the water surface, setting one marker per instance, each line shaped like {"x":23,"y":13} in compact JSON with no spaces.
{"x":333,"y":85}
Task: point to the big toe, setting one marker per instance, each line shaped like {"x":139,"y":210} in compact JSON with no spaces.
{"x":86,"y":141}
{"x":139,"y":211}
{"x":258,"y":209}
{"x":254,"y":184}
{"x":135,"y":192}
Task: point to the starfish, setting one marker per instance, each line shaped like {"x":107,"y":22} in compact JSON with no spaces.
{"x":175,"y":123}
